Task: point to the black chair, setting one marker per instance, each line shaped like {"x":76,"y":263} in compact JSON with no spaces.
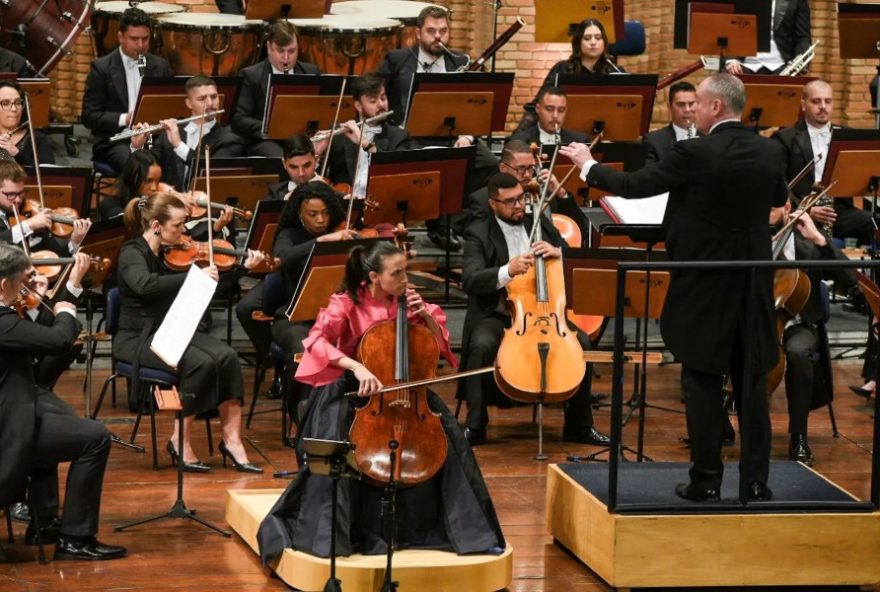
{"x":273,"y":298}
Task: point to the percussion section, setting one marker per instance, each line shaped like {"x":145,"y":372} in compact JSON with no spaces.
{"x":347,"y":44}
{"x":209,"y":44}
{"x":405,"y":11}
{"x":106,"y":17}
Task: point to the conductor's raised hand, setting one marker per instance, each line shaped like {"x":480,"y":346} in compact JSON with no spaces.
{"x":577,"y":152}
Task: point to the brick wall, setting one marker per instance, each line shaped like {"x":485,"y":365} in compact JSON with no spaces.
{"x":472,"y":31}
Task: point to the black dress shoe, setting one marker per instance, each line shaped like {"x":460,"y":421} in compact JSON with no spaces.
{"x":694,"y":494}
{"x":274,"y":391}
{"x":475,"y":436}
{"x":588,"y":435}
{"x":48,"y":532}
{"x":759,"y":492}
{"x":440,"y":241}
{"x":88,"y":548}
{"x":20,"y":512}
{"x":862,"y":392}
{"x":799,"y":450}
{"x":193,"y":467}
{"x":241,"y":467}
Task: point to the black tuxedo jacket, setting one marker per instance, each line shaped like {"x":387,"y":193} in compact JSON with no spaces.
{"x":251,"y":106}
{"x":399,"y":67}
{"x":49,"y":242}
{"x":343,"y":153}
{"x":532,"y":134}
{"x":178,"y":172}
{"x":721,"y":188}
{"x":791,"y":27}
{"x":795,"y":141}
{"x":229,"y":6}
{"x":106,"y":95}
{"x":660,"y":143}
{"x":20,"y":340}
{"x":12,"y":62}
{"x":278,"y":191}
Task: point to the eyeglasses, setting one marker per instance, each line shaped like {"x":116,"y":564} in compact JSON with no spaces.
{"x":521,"y":170}
{"x":14,"y":194}
{"x":511,"y":201}
{"x":8,"y":104}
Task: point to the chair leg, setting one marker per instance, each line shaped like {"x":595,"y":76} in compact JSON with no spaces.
{"x":210,"y":436}
{"x":113,"y":391}
{"x":229,"y":321}
{"x":110,"y":379}
{"x":35,"y":520}
{"x":9,"y":534}
{"x":259,"y":376}
{"x":834,"y":431}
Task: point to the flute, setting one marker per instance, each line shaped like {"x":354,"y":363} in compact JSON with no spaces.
{"x":130,"y":133}
{"x":321,"y":136}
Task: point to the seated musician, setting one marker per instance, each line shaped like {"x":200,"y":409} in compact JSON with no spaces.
{"x":282,"y":52}
{"x":176,"y":148}
{"x":113,"y":84}
{"x":682,"y":100}
{"x":452,"y":511}
{"x":805,"y":140}
{"x":141,"y":175}
{"x":301,"y":164}
{"x":496,"y":250}
{"x":210,"y":370}
{"x":808,"y":378}
{"x":869,"y":369}
{"x":231,"y":6}
{"x":791,"y":37}
{"x":518,"y":161}
{"x":17,"y":142}
{"x":551,"y":108}
{"x":39,"y":430}
{"x":36,"y":228}
{"x":12,"y":62}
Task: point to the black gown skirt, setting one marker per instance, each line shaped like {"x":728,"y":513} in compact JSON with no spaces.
{"x":450,"y":512}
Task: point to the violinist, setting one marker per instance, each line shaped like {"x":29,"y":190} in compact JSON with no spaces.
{"x":210,"y":370}
{"x":808,"y":377}
{"x":452,"y":511}
{"x":176,"y":148}
{"x":551,"y":108}
{"x":300,"y":162}
{"x":682,"y":99}
{"x":36,"y":228}
{"x":496,"y":250}
{"x":141,"y":175}
{"x":15,"y":139}
{"x":39,"y":430}
{"x":721,"y":188}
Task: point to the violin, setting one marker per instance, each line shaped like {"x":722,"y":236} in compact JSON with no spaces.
{"x":62,"y":218}
{"x":27,"y":300}
{"x":186,"y":253}
{"x":48,"y":264}
{"x":197,"y":203}
{"x":397,"y":352}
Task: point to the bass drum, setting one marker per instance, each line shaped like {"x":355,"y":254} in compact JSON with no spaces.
{"x":209,"y":44}
{"x":105,"y":22}
{"x":405,"y":11}
{"x":346,"y":45}
{"x":43,"y":31}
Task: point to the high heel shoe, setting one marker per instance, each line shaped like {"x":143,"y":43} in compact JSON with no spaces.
{"x":240,"y":467}
{"x":862,"y":392}
{"x":194,"y":467}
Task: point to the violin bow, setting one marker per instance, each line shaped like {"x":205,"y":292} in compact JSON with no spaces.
{"x":354,"y":178}
{"x":333,"y":127}
{"x":30,"y":124}
{"x":543,"y":201}
{"x":779,"y":239}
{"x":804,"y":171}
{"x":208,"y":209}
{"x":24,"y":242}
{"x":195,"y":171}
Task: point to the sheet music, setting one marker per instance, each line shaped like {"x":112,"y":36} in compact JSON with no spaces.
{"x":179,"y":325}
{"x":649,"y":210}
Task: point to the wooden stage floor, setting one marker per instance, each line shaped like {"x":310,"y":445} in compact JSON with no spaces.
{"x":181,"y":555}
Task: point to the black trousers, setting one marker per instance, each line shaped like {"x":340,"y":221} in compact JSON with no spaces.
{"x":63,"y":436}
{"x":290,"y":335}
{"x":705,"y":422}
{"x":266,"y":148}
{"x":259,"y":332}
{"x":485,"y":338}
{"x":869,"y":370}
{"x":116,"y":155}
{"x":853,"y":223}
{"x":50,"y":368}
{"x":801,"y":345}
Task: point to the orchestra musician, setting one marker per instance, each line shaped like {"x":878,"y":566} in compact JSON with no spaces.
{"x":551,"y":108}
{"x":808,"y":378}
{"x":209,"y":369}
{"x":451,"y":511}
{"x":39,"y":430}
{"x":709,"y":320}
{"x":809,"y":138}
{"x":791,"y":37}
{"x":282,"y":53}
{"x":496,"y":250}
{"x":17,"y":142}
{"x":141,"y":175}
{"x":682,"y":99}
{"x":113,"y":84}
{"x":231,"y":6}
{"x":35,"y":229}
{"x":176,"y":148}
{"x":12,"y":62}
{"x":301,"y":165}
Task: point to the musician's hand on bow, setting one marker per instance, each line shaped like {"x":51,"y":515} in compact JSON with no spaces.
{"x":40,"y":221}
{"x":140,"y":140}
{"x":81,"y":264}
{"x":339,"y":235}
{"x":808,"y":230}
{"x":8,"y":145}
{"x":59,"y":306}
{"x":578,"y":153}
{"x":555,"y":189}
{"x":172,"y":132}
{"x":254,"y":259}
{"x":40,"y":284}
{"x":733,"y":67}
{"x":80,"y":230}
{"x":546,"y":250}
{"x":519,"y":265}
{"x":369,"y":384}
{"x":212,"y":272}
{"x":416,"y":303}
{"x":823,"y":214}
{"x":224,"y":219}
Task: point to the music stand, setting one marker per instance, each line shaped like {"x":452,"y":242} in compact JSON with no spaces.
{"x":304,"y":104}
{"x":244,"y":165}
{"x":162,"y":97}
{"x":772,"y":101}
{"x":63,"y":187}
{"x":242,"y":191}
{"x":854,"y":162}
{"x":423,"y":174}
{"x":555,"y":19}
{"x":619,"y":106}
{"x":38,"y":91}
{"x":741,"y":27}
{"x":591,"y":288}
{"x":859,"y":32}
{"x":261,"y":234}
{"x":447,"y":105}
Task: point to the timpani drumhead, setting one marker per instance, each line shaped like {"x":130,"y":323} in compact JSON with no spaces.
{"x":120,"y":6}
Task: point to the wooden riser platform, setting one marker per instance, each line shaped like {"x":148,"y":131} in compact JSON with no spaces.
{"x":416,"y":571}
{"x":733,"y":549}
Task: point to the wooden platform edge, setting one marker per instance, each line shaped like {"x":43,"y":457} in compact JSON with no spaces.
{"x":749,"y":549}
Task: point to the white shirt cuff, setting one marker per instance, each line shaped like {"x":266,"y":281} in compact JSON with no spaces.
{"x":122,"y":118}
{"x":72,"y":247}
{"x":585,"y":170}
{"x":70,"y":311}
{"x":182,"y":151}
{"x":503,"y":277}
{"x":75,"y":291}
{"x":20,"y":231}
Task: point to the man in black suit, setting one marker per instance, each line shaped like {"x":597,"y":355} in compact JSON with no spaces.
{"x":113,"y":84}
{"x":12,"y":62}
{"x":791,"y":37}
{"x":805,"y":140}
{"x":551,"y":107}
{"x":808,"y":377}
{"x":176,"y":148}
{"x":496,"y":250}
{"x":282,"y":50}
{"x":717,"y":323}
{"x":39,"y":430}
{"x":682,"y":98}
{"x":230,"y":6}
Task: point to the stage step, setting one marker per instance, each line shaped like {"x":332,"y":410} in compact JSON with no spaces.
{"x":416,"y":571}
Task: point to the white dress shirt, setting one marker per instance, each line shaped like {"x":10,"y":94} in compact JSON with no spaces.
{"x":820,"y":138}
{"x":680,"y":133}
{"x":359,"y":184}
{"x":435,"y":64}
{"x":191,"y":137}
{"x":517,"y":239}
{"x":547,"y":137}
{"x":132,"y":82}
{"x":772,"y":60}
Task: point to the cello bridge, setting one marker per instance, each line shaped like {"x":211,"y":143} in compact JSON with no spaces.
{"x":400,"y":403}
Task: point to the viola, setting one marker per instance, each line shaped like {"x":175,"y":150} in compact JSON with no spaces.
{"x":199,"y":207}
{"x":48,"y":264}
{"x":62,"y":218}
{"x":186,"y":253}
{"x":398,"y":352}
